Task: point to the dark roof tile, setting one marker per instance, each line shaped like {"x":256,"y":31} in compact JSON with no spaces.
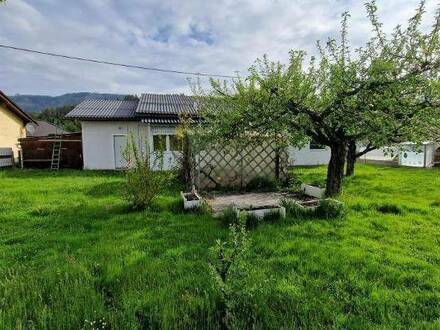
{"x":104,"y":110}
{"x":176,"y":104}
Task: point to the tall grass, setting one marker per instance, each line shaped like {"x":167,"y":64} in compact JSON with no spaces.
{"x":73,"y":254}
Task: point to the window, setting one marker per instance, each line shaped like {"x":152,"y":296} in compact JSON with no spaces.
{"x":164,"y":142}
{"x":159,"y":143}
{"x":175,"y":143}
{"x":316,"y":146}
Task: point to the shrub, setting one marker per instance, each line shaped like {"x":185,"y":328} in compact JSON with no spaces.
{"x":262,"y":183}
{"x":142,"y":184}
{"x":229,"y":268}
{"x":326,"y":209}
{"x":294,"y":184}
{"x":329,"y":209}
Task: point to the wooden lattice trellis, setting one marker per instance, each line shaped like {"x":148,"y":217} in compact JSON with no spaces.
{"x":218,"y":167}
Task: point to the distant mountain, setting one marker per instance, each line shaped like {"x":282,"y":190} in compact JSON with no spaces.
{"x":37,"y":103}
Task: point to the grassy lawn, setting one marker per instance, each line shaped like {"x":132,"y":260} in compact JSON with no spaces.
{"x":71,"y":252}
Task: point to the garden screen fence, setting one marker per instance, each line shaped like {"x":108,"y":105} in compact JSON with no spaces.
{"x":219,"y":167}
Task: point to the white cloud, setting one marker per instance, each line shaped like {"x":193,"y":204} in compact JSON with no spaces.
{"x":203,"y":36}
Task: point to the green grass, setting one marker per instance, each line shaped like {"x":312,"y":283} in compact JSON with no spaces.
{"x":72,"y":252}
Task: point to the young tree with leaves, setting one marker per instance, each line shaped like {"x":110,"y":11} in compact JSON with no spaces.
{"x":383,"y":93}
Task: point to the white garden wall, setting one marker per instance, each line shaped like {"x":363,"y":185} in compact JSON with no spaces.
{"x":308,"y":157}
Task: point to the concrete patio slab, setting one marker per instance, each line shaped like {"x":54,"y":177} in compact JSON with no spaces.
{"x":222,"y":202}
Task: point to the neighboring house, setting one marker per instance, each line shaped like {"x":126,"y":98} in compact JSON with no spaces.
{"x":426,"y":155}
{"x":44,"y":128}
{"x":12,"y":124}
{"x":152,"y":121}
{"x":407,"y":154}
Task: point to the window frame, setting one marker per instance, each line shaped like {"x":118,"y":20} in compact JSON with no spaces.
{"x":167,"y":143}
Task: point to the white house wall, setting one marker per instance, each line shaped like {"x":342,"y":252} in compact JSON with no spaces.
{"x":98,"y":150}
{"x":418,"y":158}
{"x":307,"y":157}
{"x":380,"y":155}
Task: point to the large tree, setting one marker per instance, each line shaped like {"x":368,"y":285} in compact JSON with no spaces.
{"x":383,"y":93}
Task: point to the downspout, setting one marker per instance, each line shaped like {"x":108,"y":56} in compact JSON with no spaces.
{"x":424,"y":156}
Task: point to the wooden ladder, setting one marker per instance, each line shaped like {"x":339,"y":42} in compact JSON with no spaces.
{"x":56,"y":154}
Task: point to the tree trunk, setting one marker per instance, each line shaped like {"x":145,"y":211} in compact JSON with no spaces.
{"x":351,"y":159}
{"x":335,"y":171}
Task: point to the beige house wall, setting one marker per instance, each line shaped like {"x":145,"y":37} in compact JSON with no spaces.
{"x":11,"y":129}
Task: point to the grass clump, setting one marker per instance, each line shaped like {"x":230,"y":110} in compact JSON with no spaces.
{"x":435,"y":203}
{"x":294,"y":209}
{"x":329,"y":209}
{"x":229,"y":217}
{"x":326,"y":209}
{"x":388,"y":208}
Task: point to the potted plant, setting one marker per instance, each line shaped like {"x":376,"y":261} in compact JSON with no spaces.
{"x":191,"y":199}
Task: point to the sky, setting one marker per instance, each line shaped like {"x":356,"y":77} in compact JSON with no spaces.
{"x":213,"y":36}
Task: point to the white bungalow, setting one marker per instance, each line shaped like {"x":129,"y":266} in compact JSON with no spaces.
{"x":152,"y":121}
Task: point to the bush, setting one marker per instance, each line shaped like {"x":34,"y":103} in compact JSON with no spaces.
{"x":262,"y":183}
{"x":229,"y":269}
{"x":329,"y":209}
{"x":142,"y":184}
{"x":294,"y":184}
{"x":326,"y":209}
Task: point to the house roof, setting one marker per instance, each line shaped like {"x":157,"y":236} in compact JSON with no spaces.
{"x":44,"y":128}
{"x":13,"y":107}
{"x":175,"y":104}
{"x":153,"y":108}
{"x":104,"y":110}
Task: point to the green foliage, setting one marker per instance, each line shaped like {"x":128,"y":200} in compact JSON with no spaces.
{"x":389,"y":208}
{"x":326,"y":209}
{"x":229,"y":270}
{"x":294,"y":184}
{"x":295,"y":210}
{"x":56,"y":116}
{"x":251,"y":221}
{"x":262,"y":184}
{"x":142,"y":183}
{"x":272,"y":217}
{"x":329,"y":209}
{"x":90,"y":258}
{"x":381,"y":94}
{"x":229,"y":217}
